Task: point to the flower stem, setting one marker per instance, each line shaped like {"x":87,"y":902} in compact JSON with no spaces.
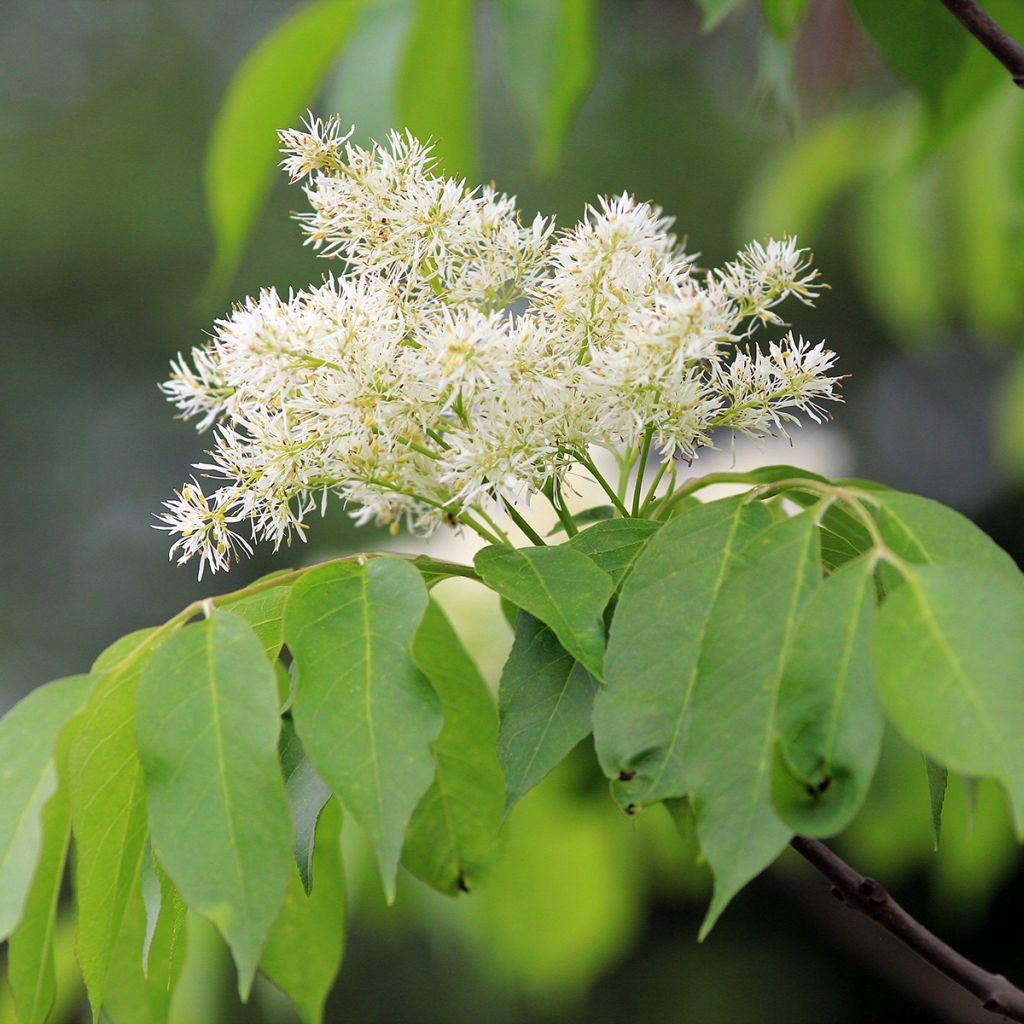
{"x":533,"y":536}
{"x":641,"y":465}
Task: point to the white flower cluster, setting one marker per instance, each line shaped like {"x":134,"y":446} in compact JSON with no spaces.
{"x":464,"y":361}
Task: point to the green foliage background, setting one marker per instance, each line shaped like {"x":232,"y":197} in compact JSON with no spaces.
{"x":912,"y":199}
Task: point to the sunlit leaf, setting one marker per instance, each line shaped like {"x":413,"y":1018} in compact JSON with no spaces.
{"x":727,"y":758}
{"x":436,"y":89}
{"x":949,"y":651}
{"x":829,"y":720}
{"x":453,"y":835}
{"x":640,"y":715}
{"x":264,"y":612}
{"x":270,"y":90}
{"x":28,"y":779}
{"x":561,"y":586}
{"x":304,"y":947}
{"x":208,"y":730}
{"x":366,"y":715}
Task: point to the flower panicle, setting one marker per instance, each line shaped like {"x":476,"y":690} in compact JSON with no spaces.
{"x":465,"y":358}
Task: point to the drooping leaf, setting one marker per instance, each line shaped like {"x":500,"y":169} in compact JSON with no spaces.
{"x":949,"y":647}
{"x":549,"y":50}
{"x":208,"y":729}
{"x":29,"y":735}
{"x":938,"y":780}
{"x":727,"y":758}
{"x":545,"y":703}
{"x":919,"y":40}
{"x":166,"y":915}
{"x":829,"y":720}
{"x":270,"y":90}
{"x":366,"y":715}
{"x":614,"y":546}
{"x":142,"y":978}
{"x":920,"y":530}
{"x":452,"y":838}
{"x":655,"y":643}
{"x":307,"y":794}
{"x":304,"y":947}
{"x":436,"y":89}
{"x":30,"y":957}
{"x":108,"y":813}
{"x":561,"y":586}
{"x":264,"y":612}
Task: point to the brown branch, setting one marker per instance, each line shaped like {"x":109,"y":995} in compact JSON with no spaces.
{"x":993,"y":991}
{"x":992,"y":36}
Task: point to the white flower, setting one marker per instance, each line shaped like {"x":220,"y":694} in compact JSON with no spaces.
{"x":462,"y":361}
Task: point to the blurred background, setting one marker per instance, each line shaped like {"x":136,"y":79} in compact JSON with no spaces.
{"x":124,"y":234}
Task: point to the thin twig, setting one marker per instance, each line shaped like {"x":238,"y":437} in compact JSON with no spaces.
{"x":991,"y":35}
{"x":993,"y":991}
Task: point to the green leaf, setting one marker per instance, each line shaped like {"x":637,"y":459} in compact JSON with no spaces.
{"x":166,"y":918}
{"x":264,"y":612}
{"x":136,"y":996}
{"x":270,"y":90}
{"x":727,"y":760}
{"x":640,"y":714}
{"x":560,"y":586}
{"x":435,"y":86}
{"x":452,"y":839}
{"x":920,"y":530}
{"x":829,"y":720}
{"x":366,"y":715}
{"x":949,"y":647}
{"x":784,"y":17}
{"x":108,"y":813}
{"x":921,"y":42}
{"x":29,"y":735}
{"x":208,"y":729}
{"x":545,"y":702}
{"x":615,"y":546}
{"x":304,"y":948}
{"x":597,"y":514}
{"x":307,"y":794}
{"x":30,"y":957}
{"x":938,"y":779}
{"x":716,"y":10}
{"x":549,"y":51}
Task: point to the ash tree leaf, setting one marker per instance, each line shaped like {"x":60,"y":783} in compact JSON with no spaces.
{"x":435,"y":83}
{"x":366,"y":715}
{"x":549,"y":51}
{"x":727,"y":759}
{"x":208,"y":729}
{"x":654,"y":647}
{"x":949,"y":651}
{"x":830,"y":723}
{"x":923,"y":531}
{"x":271,"y":89}
{"x":307,"y":794}
{"x":614,"y":546}
{"x":921,"y":42}
{"x":31,"y":971}
{"x":264,"y":612}
{"x":305,"y":945}
{"x":545,"y":704}
{"x":108,"y":812}
{"x":561,"y":587}
{"x":29,"y":735}
{"x":452,"y":839}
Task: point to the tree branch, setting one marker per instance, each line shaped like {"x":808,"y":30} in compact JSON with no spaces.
{"x":992,"y":36}
{"x":993,"y":991}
